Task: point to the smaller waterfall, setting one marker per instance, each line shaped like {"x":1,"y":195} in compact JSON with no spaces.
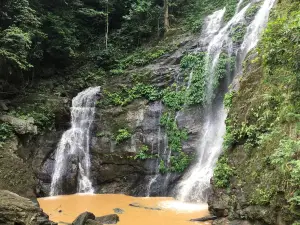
{"x":215,"y":48}
{"x":154,"y":178}
{"x":72,"y":152}
{"x":256,"y":27}
{"x":239,"y":6}
{"x":212,"y":25}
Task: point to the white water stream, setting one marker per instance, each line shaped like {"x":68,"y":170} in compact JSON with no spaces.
{"x":195,"y":185}
{"x":74,"y":144}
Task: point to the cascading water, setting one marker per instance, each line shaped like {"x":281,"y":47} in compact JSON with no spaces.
{"x":153,"y":179}
{"x":195,"y":185}
{"x":255,"y":29}
{"x":73,"y":148}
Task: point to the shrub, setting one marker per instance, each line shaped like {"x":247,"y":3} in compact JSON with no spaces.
{"x":5,"y":132}
{"x":122,"y":135}
{"x":222,"y":173}
{"x":143,"y":153}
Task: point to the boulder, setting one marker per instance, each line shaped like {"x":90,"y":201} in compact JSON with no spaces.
{"x":20,"y":126}
{"x":92,"y":222}
{"x":108,"y":219}
{"x":15,"y":209}
{"x":137,"y":205}
{"x":83,"y":217}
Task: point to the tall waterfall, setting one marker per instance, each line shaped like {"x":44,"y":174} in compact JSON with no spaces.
{"x":195,"y":184}
{"x":73,"y":148}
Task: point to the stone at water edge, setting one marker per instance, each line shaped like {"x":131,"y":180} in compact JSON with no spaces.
{"x":205,"y":218}
{"x":15,"y":209}
{"x":137,"y":205}
{"x":108,"y":219}
{"x":92,"y":222}
{"x":119,"y":211}
{"x":83,"y":217}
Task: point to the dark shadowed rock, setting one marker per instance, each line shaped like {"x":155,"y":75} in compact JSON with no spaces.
{"x":92,"y":222}
{"x":15,"y":209}
{"x":137,"y":205}
{"x":203,"y":219}
{"x":83,"y":217}
{"x":108,"y":219}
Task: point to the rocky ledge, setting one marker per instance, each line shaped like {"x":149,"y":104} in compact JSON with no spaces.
{"x":15,"y":209}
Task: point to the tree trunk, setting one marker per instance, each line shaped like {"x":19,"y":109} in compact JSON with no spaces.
{"x":166,"y":15}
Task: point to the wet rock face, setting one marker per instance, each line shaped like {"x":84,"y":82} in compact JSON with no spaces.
{"x":18,"y":210}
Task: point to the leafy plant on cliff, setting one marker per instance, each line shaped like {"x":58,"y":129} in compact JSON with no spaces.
{"x":5,"y":132}
{"x":179,"y":162}
{"x":143,"y":153}
{"x":224,"y":67}
{"x":43,"y":116}
{"x":122,"y":135}
{"x":286,"y":157}
{"x":162,"y":167}
{"x":194,"y":65}
{"x":129,"y":94}
{"x":228,"y":99}
{"x":238,"y":32}
{"x":222,"y":173}
{"x":174,"y":133}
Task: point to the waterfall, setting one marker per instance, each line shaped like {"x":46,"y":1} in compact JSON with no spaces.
{"x":238,"y":6}
{"x":154,"y":178}
{"x":195,"y":184}
{"x":255,"y":28}
{"x":72,"y":152}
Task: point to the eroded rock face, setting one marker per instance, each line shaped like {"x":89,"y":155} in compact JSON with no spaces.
{"x":15,"y":174}
{"x":18,"y":210}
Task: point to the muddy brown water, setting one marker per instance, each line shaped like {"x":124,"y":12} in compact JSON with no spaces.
{"x":64,"y":209}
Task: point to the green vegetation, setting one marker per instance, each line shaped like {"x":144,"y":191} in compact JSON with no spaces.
{"x":287,"y":160}
{"x":37,"y":42}
{"x":238,"y":32}
{"x":5,"y":132}
{"x":195,"y":64}
{"x":43,"y":117}
{"x":162,"y":167}
{"x":196,"y":12}
{"x":179,"y":162}
{"x":144,"y":56}
{"x":127,"y":94}
{"x":225,"y":66}
{"x":222,"y":173}
{"x":228,"y":99}
{"x":122,"y":135}
{"x":175,"y":134}
{"x":143,"y":153}
{"x":252,"y":10}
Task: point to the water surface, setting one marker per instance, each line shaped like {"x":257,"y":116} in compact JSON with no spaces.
{"x":64,"y":209}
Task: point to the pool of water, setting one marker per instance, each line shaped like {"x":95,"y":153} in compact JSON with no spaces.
{"x":64,"y":209}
